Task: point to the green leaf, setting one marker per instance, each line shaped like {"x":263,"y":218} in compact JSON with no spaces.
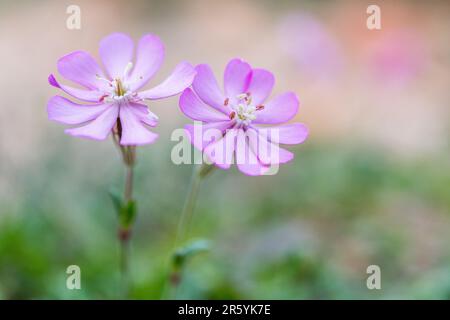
{"x":183,"y":254}
{"x":127,"y":214}
{"x":126,"y":211}
{"x":117,"y":200}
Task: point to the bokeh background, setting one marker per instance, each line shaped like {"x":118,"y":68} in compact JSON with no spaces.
{"x":370,"y":186}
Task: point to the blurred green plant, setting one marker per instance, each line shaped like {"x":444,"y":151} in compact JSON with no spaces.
{"x":308,"y":232}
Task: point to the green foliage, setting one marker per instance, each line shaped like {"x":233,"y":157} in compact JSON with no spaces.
{"x":183,"y":254}
{"x":126,"y":211}
{"x":308,"y":232}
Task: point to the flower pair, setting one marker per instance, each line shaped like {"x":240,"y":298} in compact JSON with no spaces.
{"x":116,"y":103}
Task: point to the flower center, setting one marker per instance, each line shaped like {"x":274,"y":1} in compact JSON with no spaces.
{"x":244,"y":111}
{"x":119,"y":89}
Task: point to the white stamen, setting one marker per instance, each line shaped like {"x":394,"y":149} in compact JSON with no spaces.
{"x":244,"y":112}
{"x":127,"y":69}
{"x":112,"y":95}
{"x":241,"y":96}
{"x":98,"y":77}
{"x":152,"y":116}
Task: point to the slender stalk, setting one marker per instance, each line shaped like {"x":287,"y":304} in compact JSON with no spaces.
{"x":124,"y":265}
{"x":198,"y":173}
{"x":128,"y":193}
{"x":184,"y":226}
{"x":125,"y":234}
{"x":188,"y":207}
{"x":125,"y":223}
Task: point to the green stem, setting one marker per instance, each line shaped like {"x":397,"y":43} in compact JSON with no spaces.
{"x":128,"y":193}
{"x":198,"y":173}
{"x":124,"y":265}
{"x":188,"y":207}
{"x":125,"y":224}
{"x":125,"y":234}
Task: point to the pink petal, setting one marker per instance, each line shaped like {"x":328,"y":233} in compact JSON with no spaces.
{"x":65,"y":111}
{"x":246,"y":160}
{"x":145,"y":115}
{"x":84,"y":95}
{"x":206,"y":87}
{"x":200,"y":135}
{"x":81,"y":68}
{"x":116,"y":51}
{"x":236,"y":78}
{"x":261,"y":85}
{"x":268,"y":153}
{"x":221,"y":152}
{"x":149,"y":57}
{"x":195,"y":109}
{"x":133,"y":130}
{"x":293,"y":133}
{"x":180,"y":79}
{"x":99,"y":128}
{"x":280,"y":109}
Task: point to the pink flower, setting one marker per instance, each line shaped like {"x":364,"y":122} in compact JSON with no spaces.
{"x":238,"y":116}
{"x":114,"y":95}
{"x":398,"y":57}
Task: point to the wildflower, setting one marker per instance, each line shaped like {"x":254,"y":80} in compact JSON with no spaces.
{"x":240,"y":115}
{"x":115,"y":104}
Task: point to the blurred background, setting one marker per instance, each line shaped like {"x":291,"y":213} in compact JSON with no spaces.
{"x":370,"y":186}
